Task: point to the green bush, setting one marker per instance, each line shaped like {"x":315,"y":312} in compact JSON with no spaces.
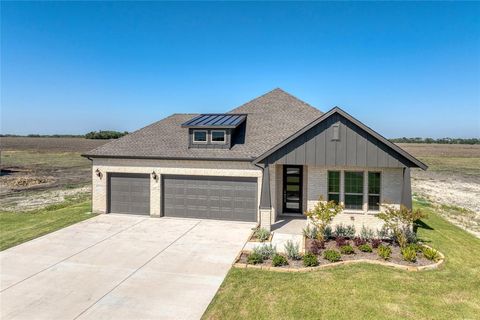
{"x":292,"y":250}
{"x":262,"y":234}
{"x":366,"y":233}
{"x":365,"y":248}
{"x":327,"y":233}
{"x":384,"y":252}
{"x":310,"y":260}
{"x":332,"y":255}
{"x":430,"y":253}
{"x":347,"y":249}
{"x":267,"y":251}
{"x":344,"y":231}
{"x":279,"y":260}
{"x":310,"y":232}
{"x":105,"y":135}
{"x":254,"y":258}
{"x":409,"y":254}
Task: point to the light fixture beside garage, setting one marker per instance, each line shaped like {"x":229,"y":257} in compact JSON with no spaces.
{"x":98,"y":173}
{"x":155,"y":176}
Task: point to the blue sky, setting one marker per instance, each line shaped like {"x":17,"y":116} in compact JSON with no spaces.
{"x":405,"y":69}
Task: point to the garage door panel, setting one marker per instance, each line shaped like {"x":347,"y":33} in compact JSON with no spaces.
{"x":224,"y":198}
{"x":129,"y":193}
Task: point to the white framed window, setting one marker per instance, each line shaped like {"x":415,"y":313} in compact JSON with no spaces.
{"x":200,"y":136}
{"x":218,"y":136}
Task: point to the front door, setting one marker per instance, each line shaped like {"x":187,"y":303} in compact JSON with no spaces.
{"x":292,"y":189}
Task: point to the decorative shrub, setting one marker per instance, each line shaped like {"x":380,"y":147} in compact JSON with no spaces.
{"x":279,"y":260}
{"x":400,"y":222}
{"x":254,"y":258}
{"x":267,"y":251}
{"x":430,"y":254}
{"x":358,"y":241}
{"x":310,"y":232}
{"x":347,"y":249}
{"x":365,"y":248}
{"x":310,"y":260}
{"x":322,"y":215}
{"x":341,"y":241}
{"x":409,"y":254}
{"x":384,"y":252}
{"x":345,"y":231}
{"x":332,"y":255}
{"x":376,"y":242}
{"x":366,"y":233}
{"x":316,"y":246}
{"x":262,"y":234}
{"x":384,"y":233}
{"x":292,"y":250}
{"x":328,"y":233}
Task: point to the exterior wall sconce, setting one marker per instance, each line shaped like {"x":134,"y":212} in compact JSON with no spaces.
{"x":155,"y":176}
{"x":98,"y":173}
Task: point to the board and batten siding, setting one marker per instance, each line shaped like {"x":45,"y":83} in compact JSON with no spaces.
{"x":353,"y":148}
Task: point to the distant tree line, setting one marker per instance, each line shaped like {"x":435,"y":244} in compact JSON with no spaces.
{"x":105,"y":134}
{"x":440,"y":140}
{"x":91,"y":135}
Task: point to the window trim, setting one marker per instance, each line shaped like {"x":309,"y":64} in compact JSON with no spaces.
{"x":379,"y":195}
{"x":218,"y":142}
{"x":352,"y":193}
{"x":339,"y":184}
{"x":200,"y":142}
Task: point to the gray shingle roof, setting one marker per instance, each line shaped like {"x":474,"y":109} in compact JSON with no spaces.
{"x":271,"y":118}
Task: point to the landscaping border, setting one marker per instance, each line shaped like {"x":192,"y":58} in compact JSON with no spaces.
{"x":340,"y":263}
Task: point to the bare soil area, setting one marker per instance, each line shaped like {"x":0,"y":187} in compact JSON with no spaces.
{"x":37,"y":172}
{"x":451,"y":183}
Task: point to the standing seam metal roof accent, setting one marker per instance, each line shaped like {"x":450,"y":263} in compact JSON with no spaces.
{"x":216,"y":120}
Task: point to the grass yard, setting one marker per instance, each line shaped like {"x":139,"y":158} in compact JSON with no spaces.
{"x":363,"y":291}
{"x":18,"y":227}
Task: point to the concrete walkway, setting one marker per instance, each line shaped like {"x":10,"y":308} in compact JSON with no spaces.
{"x":120,"y":267}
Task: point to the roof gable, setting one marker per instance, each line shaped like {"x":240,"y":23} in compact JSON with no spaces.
{"x":358,"y":145}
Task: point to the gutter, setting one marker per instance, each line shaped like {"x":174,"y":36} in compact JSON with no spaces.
{"x":90,"y":156}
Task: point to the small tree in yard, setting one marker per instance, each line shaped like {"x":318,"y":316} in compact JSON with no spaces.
{"x":400,"y":221}
{"x":322,"y":215}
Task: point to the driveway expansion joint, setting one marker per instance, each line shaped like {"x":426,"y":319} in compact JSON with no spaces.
{"x":71,"y":256}
{"x":135,"y":271}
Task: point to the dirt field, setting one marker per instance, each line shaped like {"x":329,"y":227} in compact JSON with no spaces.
{"x":452,"y":181}
{"x":36,"y":172}
{"x":40,"y":171}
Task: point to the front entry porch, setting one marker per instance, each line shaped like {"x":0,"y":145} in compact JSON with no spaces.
{"x":290,"y":190}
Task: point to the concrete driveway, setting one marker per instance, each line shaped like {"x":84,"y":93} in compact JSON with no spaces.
{"x":120,"y":267}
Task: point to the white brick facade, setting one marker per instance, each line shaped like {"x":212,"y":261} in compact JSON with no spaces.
{"x":162,"y":167}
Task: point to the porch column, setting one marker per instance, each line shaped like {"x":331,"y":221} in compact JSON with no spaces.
{"x":407,"y":189}
{"x":265,"y":200}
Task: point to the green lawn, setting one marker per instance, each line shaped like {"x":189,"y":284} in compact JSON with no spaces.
{"x":363,"y":291}
{"x":18,"y":227}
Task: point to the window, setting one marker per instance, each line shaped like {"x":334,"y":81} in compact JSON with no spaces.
{"x":334,"y":186}
{"x":218,"y":136}
{"x":374,"y":190}
{"x":353,"y":190}
{"x":200,"y":136}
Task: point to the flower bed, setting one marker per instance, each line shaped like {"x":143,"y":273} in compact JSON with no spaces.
{"x":330,"y":254}
{"x":260,"y":235}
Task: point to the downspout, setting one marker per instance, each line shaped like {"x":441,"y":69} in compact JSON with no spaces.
{"x":91,"y":185}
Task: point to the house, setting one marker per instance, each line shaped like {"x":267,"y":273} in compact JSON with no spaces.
{"x":272,"y":157}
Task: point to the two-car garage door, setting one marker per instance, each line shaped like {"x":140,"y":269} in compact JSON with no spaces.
{"x":222,"y":198}
{"x":204,"y":197}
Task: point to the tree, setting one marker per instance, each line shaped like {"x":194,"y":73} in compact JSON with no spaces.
{"x":322,"y":215}
{"x":400,"y":222}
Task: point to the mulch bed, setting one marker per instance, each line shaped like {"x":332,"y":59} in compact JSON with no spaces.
{"x":395,"y":258}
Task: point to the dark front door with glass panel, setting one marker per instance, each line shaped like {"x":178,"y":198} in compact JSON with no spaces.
{"x":292,"y":189}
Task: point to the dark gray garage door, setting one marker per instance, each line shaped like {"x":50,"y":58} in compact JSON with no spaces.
{"x":129,"y":193}
{"x":223,"y":198}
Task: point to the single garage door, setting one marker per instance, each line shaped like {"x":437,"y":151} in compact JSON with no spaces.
{"x":222,"y":198}
{"x":129,"y":193}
